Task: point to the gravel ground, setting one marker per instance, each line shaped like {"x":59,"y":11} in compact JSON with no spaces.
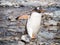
{"x":11,"y":31}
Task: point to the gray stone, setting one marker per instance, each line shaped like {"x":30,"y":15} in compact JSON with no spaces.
{"x":55,"y":28}
{"x":25,"y":38}
{"x":53,"y":22}
{"x":12,"y":27}
{"x":21,"y":43}
{"x":13,"y":23}
{"x":12,"y":30}
{"x":57,"y":13}
{"x":33,"y":43}
{"x":11,"y":17}
{"x":46,"y":35}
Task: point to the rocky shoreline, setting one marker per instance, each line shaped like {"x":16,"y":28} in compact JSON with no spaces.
{"x":11,"y":31}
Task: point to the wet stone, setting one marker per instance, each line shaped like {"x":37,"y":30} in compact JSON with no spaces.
{"x":12,"y":23}
{"x":3,"y":25}
{"x":57,"y":13}
{"x":21,"y":43}
{"x":23,"y":22}
{"x":56,"y":18}
{"x":18,"y":26}
{"x":14,"y":30}
{"x":46,"y":35}
{"x":12,"y":27}
{"x":52,"y":22}
{"x":25,"y":38}
{"x":33,"y":43}
{"x":57,"y":35}
{"x":53,"y":28}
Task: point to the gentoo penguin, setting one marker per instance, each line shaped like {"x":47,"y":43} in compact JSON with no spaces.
{"x":34,"y":22}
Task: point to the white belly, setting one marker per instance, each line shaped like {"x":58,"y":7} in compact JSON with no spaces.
{"x":33,"y":24}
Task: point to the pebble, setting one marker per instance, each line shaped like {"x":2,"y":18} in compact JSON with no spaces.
{"x":25,"y":38}
{"x":21,"y":43}
{"x":12,"y":23}
{"x":54,"y":28}
{"x":52,"y":22}
{"x":11,"y":18}
{"x":12,"y":27}
{"x":43,"y":36}
{"x":57,"y":13}
{"x":50,"y":14}
{"x":16,"y":38}
{"x":47,"y":35}
{"x":53,"y":44}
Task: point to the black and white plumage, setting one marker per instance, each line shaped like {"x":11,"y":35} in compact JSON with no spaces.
{"x":33,"y":24}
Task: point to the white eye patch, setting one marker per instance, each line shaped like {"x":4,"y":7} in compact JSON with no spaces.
{"x":38,"y":8}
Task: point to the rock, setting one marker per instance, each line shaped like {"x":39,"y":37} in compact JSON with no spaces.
{"x":25,"y":38}
{"x":3,"y":25}
{"x":33,"y":43}
{"x":13,"y":30}
{"x":22,"y":22}
{"x":21,"y":43}
{"x":58,"y":24}
{"x":21,"y":29}
{"x":12,"y":27}
{"x":42,"y":43}
{"x":46,"y":24}
{"x":12,"y":23}
{"x":54,"y":28}
{"x":56,"y":18}
{"x":17,"y":38}
{"x":49,"y":14}
{"x":11,"y":18}
{"x":57,"y":13}
{"x":53,"y":44}
{"x":57,"y":43}
{"x":57,"y":36}
{"x":52,"y":22}
{"x":47,"y":35}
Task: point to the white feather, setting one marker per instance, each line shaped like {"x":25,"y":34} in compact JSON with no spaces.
{"x":33,"y":24}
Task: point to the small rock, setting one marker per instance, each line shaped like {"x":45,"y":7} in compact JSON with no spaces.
{"x":12,"y":30}
{"x":42,"y":43}
{"x":50,"y":14}
{"x":25,"y":38}
{"x":11,"y":18}
{"x":12,"y":27}
{"x":53,"y":44}
{"x":16,"y":38}
{"x":32,"y":43}
{"x":57,"y":43}
{"x":54,"y":28}
{"x":52,"y":22}
{"x":46,"y":35}
{"x":12,"y":23}
{"x":57,"y":13}
{"x":20,"y":43}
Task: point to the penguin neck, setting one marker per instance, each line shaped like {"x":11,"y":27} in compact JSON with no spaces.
{"x":36,"y":14}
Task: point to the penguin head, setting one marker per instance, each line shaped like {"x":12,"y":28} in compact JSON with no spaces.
{"x":39,"y":10}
